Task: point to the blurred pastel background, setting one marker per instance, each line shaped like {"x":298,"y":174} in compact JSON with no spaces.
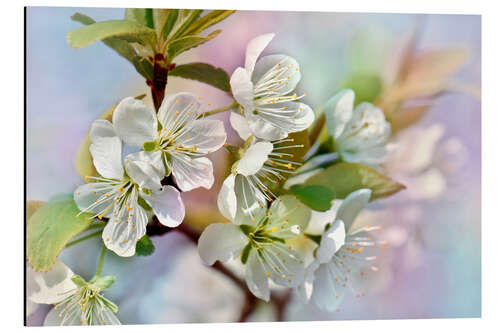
{"x":431,"y":267}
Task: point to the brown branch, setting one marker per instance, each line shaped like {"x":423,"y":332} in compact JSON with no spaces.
{"x":280,"y":302}
{"x":155,"y":228}
{"x":160,"y":77}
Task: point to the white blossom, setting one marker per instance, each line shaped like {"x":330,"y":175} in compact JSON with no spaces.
{"x":124,"y":193}
{"x":265,"y":89}
{"x":343,"y":259}
{"x":261,"y":162}
{"x":260,"y":243}
{"x":174,"y":137}
{"x":360,"y":133}
{"x":76,"y":302}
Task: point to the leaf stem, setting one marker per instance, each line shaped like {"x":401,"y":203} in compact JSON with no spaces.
{"x":101,"y":261}
{"x":76,"y":241}
{"x":218,"y":110}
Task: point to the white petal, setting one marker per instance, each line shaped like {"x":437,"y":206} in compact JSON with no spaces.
{"x":240,"y":125}
{"x":178,"y":111}
{"x":146,"y":169}
{"x":55,"y":317}
{"x":289,"y":216}
{"x":275,"y":120}
{"x":305,"y":289}
{"x":226,"y":200}
{"x":285,"y":266}
{"x":331,"y":241}
{"x":107,"y":156}
{"x":256,"y":278}
{"x":254,"y":158}
{"x":87,"y":194}
{"x":327,"y":292}
{"x":242,"y":88}
{"x":277,"y":67}
{"x":49,"y":287}
{"x":352,"y":206}
{"x":254,"y":49}
{"x":251,"y":203}
{"x":338,"y":111}
{"x":192,"y":173}
{"x":107,"y":317}
{"x":168,"y":206}
{"x":367,"y":128}
{"x":101,"y":129}
{"x":135,"y":122}
{"x":221,"y":241}
{"x":125,"y":228}
{"x":206,"y":135}
{"x":264,"y":129}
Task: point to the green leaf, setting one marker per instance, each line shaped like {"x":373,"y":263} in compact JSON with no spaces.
{"x":123,"y":48}
{"x":366,"y":86}
{"x":129,"y":31}
{"x":144,"y":246}
{"x":31,"y":207}
{"x":344,"y":178}
{"x":170,"y":22}
{"x":316,"y":197}
{"x":160,"y":16}
{"x":202,"y":72}
{"x":183,"y":44}
{"x":207,"y":21}
{"x":50,"y":228}
{"x":82,"y":18}
{"x":188,"y":17}
{"x":143,"y":16}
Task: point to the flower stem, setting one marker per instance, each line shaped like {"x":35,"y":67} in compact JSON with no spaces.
{"x":222,"y":109}
{"x":101,"y":261}
{"x":76,"y":241}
